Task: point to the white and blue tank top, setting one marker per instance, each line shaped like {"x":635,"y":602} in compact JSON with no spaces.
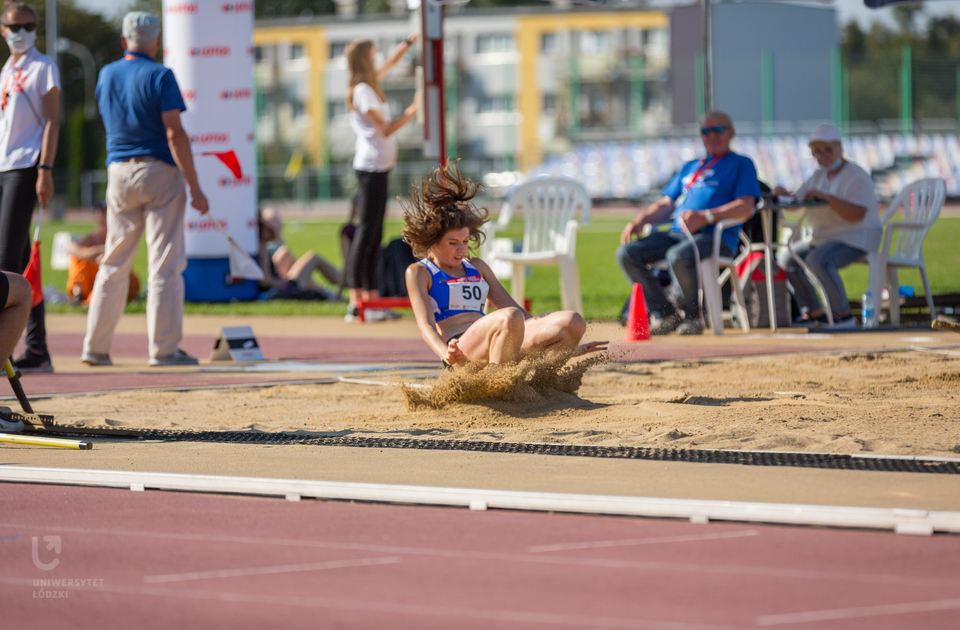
{"x":453,"y":295}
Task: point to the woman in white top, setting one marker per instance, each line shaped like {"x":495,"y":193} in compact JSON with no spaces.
{"x":843,"y":230}
{"x":29,"y":128}
{"x":376,"y":155}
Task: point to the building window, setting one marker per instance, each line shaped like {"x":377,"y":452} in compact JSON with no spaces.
{"x":495,"y":43}
{"x":495,"y":104}
{"x":297,"y":109}
{"x":296,"y":51}
{"x":258,"y":53}
{"x":550,"y":103}
{"x":596,"y":42}
{"x":337,"y":49}
{"x":549,"y":43}
{"x":336,"y":108}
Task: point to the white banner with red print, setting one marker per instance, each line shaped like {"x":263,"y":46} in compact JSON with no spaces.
{"x":209,"y":46}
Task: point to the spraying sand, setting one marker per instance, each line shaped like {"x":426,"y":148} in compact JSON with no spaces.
{"x":533,"y":380}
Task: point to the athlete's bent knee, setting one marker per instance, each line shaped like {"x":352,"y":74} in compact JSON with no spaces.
{"x":20,"y":291}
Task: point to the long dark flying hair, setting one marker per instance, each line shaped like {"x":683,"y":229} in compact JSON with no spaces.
{"x":440,"y":204}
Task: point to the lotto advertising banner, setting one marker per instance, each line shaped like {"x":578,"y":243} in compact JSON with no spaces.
{"x":209,"y":46}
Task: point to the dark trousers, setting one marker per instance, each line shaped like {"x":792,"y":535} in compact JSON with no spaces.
{"x":372,"y":202}
{"x":18,"y":198}
{"x":678,"y":252}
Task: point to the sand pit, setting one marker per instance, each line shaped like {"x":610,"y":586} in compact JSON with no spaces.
{"x":901,"y":403}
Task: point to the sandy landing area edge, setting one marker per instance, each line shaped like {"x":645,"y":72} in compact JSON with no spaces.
{"x":895,"y":402}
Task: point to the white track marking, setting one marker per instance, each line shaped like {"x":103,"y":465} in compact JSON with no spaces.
{"x":361,"y":381}
{"x":952,"y":353}
{"x":423,"y":610}
{"x":725,"y":570}
{"x":641,"y":541}
{"x":284,"y":568}
{"x":855,"y":613}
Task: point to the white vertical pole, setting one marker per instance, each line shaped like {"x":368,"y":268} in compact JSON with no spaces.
{"x":53,"y":31}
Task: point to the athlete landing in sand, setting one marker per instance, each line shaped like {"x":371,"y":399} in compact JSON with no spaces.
{"x":449,"y":289}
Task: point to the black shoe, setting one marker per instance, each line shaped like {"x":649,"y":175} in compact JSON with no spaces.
{"x":32,"y":363}
{"x":690,"y":327}
{"x":664,"y":325}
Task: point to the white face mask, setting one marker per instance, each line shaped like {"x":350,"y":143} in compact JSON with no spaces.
{"x":21,"y":42}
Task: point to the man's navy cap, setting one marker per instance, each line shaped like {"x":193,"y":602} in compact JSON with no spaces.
{"x":140,"y":26}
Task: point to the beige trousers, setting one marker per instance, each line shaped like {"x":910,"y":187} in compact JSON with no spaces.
{"x":140,"y":195}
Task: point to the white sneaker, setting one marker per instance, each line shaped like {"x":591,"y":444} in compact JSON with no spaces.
{"x":380,"y":315}
{"x":95,"y":358}
{"x":177,"y":358}
{"x":844,"y":324}
{"x":9,"y":424}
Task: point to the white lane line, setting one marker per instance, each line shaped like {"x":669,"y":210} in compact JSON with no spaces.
{"x":424,"y":610}
{"x":284,"y":568}
{"x":641,"y":541}
{"x":853,"y":613}
{"x":725,"y":570}
{"x":934,"y":350}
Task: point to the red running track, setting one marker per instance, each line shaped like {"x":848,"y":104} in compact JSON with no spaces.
{"x":180,"y":560}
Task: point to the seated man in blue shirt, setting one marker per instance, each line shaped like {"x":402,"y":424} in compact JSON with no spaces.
{"x":722,"y":185}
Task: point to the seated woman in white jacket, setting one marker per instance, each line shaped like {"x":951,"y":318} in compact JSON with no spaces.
{"x":844,"y":228}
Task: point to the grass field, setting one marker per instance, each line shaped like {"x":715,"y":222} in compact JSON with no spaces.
{"x":604,"y":287}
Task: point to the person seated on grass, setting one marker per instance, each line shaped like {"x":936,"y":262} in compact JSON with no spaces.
{"x":16,"y":299}
{"x":449,"y":289}
{"x":843,"y":229}
{"x":285,"y":275}
{"x":85,"y":255}
{"x":723,"y":185}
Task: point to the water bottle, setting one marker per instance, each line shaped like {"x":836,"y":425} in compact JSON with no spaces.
{"x":866,"y":310}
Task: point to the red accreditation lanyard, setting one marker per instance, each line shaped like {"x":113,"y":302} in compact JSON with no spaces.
{"x":6,"y":84}
{"x":702,"y":169}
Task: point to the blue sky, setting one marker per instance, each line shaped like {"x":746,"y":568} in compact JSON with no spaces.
{"x":846,"y":9}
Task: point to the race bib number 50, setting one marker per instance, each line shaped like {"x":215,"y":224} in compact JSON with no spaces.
{"x":468,"y":294}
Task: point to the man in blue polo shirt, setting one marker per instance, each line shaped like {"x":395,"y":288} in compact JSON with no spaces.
{"x":723,"y":185}
{"x":148,"y":158}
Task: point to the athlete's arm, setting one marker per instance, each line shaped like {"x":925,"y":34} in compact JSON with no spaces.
{"x":48,"y":146}
{"x":498,"y":296}
{"x":418,"y":288}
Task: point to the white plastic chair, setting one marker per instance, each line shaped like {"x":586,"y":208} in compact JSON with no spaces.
{"x":710,"y":267}
{"x":902,"y":244}
{"x":549,"y":208}
{"x":724,"y":269}
{"x":920,"y":202}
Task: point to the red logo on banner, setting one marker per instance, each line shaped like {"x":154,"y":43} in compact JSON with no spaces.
{"x":206,"y":224}
{"x":181,"y":8}
{"x":225,"y":182}
{"x":210,"y":51}
{"x":236,"y":7}
{"x":231,"y":95}
{"x":189,"y":95}
{"x":209,"y":138}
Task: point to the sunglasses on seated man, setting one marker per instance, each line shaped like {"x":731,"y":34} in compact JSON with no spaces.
{"x":29,"y":26}
{"x":717,"y":129}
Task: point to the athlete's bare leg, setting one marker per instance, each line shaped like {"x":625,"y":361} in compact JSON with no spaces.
{"x":494,"y":338}
{"x":14,"y":314}
{"x":555,"y":335}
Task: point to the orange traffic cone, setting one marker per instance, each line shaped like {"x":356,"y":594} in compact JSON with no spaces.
{"x":638,"y":326}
